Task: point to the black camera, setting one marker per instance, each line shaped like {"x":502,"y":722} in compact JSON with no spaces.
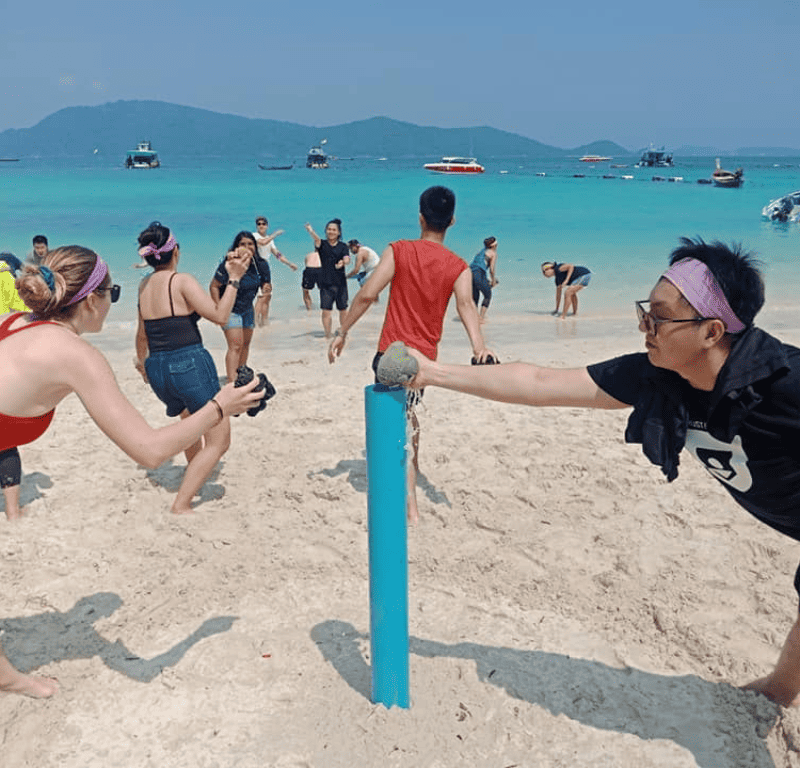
{"x":244,"y":375}
{"x":490,"y":360}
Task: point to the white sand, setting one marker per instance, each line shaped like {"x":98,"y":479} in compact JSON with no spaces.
{"x":568,"y":607}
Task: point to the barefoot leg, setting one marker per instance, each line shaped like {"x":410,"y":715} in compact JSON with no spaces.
{"x":13,"y":681}
{"x":782,"y":685}
{"x":215,"y":442}
{"x":11,"y":496}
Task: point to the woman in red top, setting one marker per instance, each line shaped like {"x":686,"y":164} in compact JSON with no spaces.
{"x":45,"y":359}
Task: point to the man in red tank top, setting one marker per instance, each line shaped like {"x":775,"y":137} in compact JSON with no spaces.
{"x":423,"y":275}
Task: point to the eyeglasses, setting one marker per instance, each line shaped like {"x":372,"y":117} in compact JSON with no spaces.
{"x":651,"y":323}
{"x":115,"y":292}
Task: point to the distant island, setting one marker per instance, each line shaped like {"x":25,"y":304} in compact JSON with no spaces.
{"x":112,"y":129}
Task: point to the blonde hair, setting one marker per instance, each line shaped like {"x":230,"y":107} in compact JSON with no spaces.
{"x":70,"y":266}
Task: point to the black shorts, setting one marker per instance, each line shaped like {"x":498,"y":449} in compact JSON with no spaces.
{"x":328,"y":294}
{"x":311,"y":277}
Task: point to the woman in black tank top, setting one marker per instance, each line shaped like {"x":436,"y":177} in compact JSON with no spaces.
{"x":169,"y":349}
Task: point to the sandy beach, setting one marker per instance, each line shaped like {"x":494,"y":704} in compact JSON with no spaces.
{"x":567,"y":606}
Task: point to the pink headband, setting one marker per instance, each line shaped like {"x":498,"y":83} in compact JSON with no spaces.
{"x":152,"y":250}
{"x":98,"y":275}
{"x":698,"y":286}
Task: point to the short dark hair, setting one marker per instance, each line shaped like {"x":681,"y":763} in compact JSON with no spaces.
{"x":437,"y":206}
{"x":39,"y":239}
{"x":260,"y":219}
{"x":353,"y":243}
{"x":736,"y":271}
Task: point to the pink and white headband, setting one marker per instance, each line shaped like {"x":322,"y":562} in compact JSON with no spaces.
{"x":699,"y":287}
{"x":152,"y":250}
{"x":98,"y":275}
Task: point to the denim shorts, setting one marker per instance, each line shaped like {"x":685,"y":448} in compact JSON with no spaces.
{"x":184,"y":378}
{"x":246,"y":319}
{"x":582,"y":280}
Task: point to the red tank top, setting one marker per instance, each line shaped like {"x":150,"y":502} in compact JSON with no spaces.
{"x":18,"y":430}
{"x":424,"y":275}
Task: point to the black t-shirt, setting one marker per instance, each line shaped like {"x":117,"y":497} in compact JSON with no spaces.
{"x":328,"y":256}
{"x":257,"y":274}
{"x":577,"y":272}
{"x":760,"y":466}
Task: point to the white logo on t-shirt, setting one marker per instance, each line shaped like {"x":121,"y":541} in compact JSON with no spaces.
{"x":726,"y":461}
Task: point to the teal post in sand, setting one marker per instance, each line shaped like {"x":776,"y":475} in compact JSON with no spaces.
{"x":388,"y":550}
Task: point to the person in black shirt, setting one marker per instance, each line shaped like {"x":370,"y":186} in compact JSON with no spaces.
{"x":709,"y":381}
{"x":334,"y":255}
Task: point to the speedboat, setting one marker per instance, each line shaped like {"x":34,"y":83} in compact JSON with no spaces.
{"x":595,"y":159}
{"x":142,"y":157}
{"x":316,"y":157}
{"x":276,"y":167}
{"x":455,"y":165}
{"x":723,"y":178}
{"x":786,"y":208}
{"x":655,"y":158}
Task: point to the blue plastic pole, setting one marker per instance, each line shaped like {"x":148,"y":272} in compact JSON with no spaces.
{"x":388,"y":551}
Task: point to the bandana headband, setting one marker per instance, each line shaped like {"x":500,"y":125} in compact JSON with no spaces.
{"x":98,"y":275}
{"x":698,"y":286}
{"x":152,"y":250}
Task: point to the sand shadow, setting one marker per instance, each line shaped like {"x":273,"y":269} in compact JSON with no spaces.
{"x":356,"y":470}
{"x":717,"y":723}
{"x":30,"y":489}
{"x":169,"y":476}
{"x":31,"y":642}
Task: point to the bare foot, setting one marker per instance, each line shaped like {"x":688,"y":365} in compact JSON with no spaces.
{"x":181,"y":510}
{"x":774,"y":691}
{"x":28,"y":685}
{"x":13,"y":514}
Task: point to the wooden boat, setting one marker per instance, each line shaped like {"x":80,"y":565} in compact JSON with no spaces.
{"x":723,"y":178}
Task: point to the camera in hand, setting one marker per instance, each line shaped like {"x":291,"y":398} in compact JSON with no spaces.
{"x":244,"y":375}
{"x":490,"y":360}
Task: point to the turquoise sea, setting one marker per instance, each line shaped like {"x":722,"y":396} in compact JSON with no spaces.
{"x":621,"y":229}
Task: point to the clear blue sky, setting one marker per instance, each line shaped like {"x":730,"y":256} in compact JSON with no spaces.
{"x":718,"y":73}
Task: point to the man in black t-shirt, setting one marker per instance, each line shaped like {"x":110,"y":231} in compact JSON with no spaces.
{"x":710,"y":382}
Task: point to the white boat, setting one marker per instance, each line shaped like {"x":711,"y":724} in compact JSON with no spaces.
{"x":786,"y":208}
{"x":655,"y":158}
{"x":142,"y":157}
{"x":595,"y":159}
{"x":455,"y":165}
{"x":316,"y":157}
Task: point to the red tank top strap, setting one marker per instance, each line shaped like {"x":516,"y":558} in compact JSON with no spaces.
{"x":6,"y":325}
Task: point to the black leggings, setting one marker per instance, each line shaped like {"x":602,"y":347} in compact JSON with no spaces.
{"x":10,"y":468}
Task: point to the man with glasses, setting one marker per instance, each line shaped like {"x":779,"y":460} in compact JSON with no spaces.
{"x":710,"y":381}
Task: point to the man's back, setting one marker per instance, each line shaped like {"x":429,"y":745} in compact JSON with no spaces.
{"x":424,"y":275}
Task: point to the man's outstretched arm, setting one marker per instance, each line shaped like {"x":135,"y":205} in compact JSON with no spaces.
{"x":521,"y":383}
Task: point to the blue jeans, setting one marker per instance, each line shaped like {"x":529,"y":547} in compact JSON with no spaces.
{"x":183,"y":379}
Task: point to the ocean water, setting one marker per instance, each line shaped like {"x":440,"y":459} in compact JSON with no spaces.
{"x":623,"y":230}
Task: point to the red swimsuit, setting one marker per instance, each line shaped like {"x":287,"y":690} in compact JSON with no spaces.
{"x":18,"y":430}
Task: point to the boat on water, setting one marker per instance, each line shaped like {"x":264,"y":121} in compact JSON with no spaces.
{"x":455,"y":165}
{"x":595,"y":159}
{"x":317,"y":157}
{"x":786,"y":208}
{"x":276,"y":167}
{"x":655,"y":158}
{"x":722,"y":178}
{"x":142,"y":157}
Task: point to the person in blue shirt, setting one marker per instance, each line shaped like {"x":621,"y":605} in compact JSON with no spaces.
{"x":570,"y":277}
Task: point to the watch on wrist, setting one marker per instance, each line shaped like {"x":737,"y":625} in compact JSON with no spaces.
{"x":234,"y":283}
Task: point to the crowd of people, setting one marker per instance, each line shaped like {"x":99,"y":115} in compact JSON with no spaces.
{"x":709,"y":381}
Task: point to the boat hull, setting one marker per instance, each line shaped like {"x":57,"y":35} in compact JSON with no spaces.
{"x":437,"y":168}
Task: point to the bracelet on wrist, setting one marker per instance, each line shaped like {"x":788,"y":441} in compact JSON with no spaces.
{"x":219,"y":408}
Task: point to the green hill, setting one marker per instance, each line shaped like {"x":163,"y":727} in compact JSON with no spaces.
{"x":186,"y":131}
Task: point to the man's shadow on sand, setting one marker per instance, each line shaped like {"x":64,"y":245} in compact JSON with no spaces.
{"x":34,"y":641}
{"x":719,"y":724}
{"x":30,"y":488}
{"x":356,"y":470}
